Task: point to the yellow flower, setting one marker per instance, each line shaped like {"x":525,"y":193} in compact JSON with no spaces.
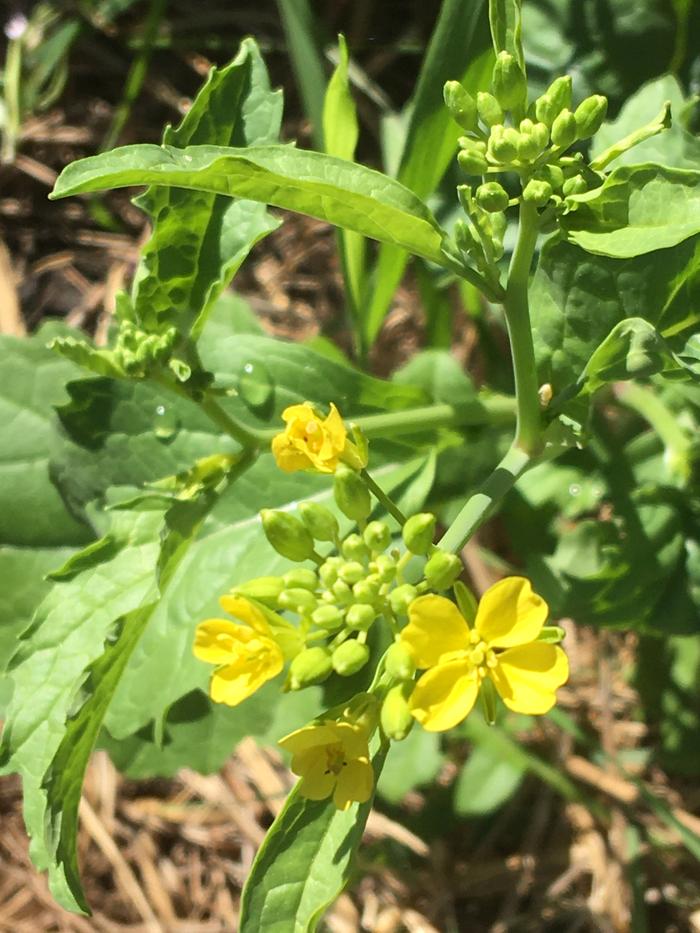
{"x":310,"y":443}
{"x":502,"y":646}
{"x":331,"y":758}
{"x":246,"y":655}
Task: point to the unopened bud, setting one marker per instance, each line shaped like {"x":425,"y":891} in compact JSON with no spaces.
{"x":399,"y":662}
{"x":472,"y":162}
{"x":328,"y":571}
{"x":327,"y":617}
{"x":552,"y":174}
{"x":265,"y":589}
{"x":377,"y":536}
{"x":401,"y":598}
{"x":301,"y":577}
{"x":492,"y":196}
{"x":537,"y":192}
{"x":442,"y":569}
{"x":342,"y":593}
{"x":287,"y":535}
{"x":351,"y":494}
{"x":354,"y":548}
{"x":385,"y":567}
{"x":418,"y":532}
{"x":466,"y":239}
{"x":297,"y":600}
{"x":575,"y":185}
{"x":360,"y":616}
{"x":590,"y":114}
{"x":503,"y":143}
{"x":564,"y":129}
{"x":489,"y":109}
{"x":509,"y":82}
{"x":556,"y":98}
{"x":461,"y":105}
{"x":350,"y":657}
{"x":310,"y":666}
{"x":320,"y":521}
{"x":351,"y":572}
{"x":395,"y":716}
{"x":366,"y":591}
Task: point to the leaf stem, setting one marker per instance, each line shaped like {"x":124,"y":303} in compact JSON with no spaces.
{"x":655,"y":411}
{"x":379,"y":494}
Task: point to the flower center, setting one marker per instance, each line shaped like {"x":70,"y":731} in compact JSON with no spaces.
{"x":335,"y":758}
{"x":313,"y":435}
{"x":481,"y":656}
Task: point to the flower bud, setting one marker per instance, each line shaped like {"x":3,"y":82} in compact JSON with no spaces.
{"x":472,"y":162}
{"x":489,"y":109}
{"x":301,"y":577}
{"x":556,"y":98}
{"x":509,"y":82}
{"x":590,"y":114}
{"x":360,"y":616}
{"x":552,"y":174}
{"x":350,"y":657}
{"x":442,"y":569}
{"x":461,"y":105}
{"x":342,"y":593}
{"x":351,"y":495}
{"x":320,"y":521}
{"x":310,"y":666}
{"x":351,"y":572}
{"x":399,"y":662}
{"x":503,"y":143}
{"x":366,"y":591}
{"x":395,"y":716}
{"x":287,"y":535}
{"x":385,"y":567}
{"x":328,"y":571}
{"x":575,"y":185}
{"x":540,"y":133}
{"x":401,"y":598}
{"x":537,"y":192}
{"x":564,"y":129}
{"x":265,"y":589}
{"x":328,"y":617}
{"x":377,"y":536}
{"x":466,"y":239}
{"x":492,"y":196}
{"x":418,"y":532}
{"x":298,"y":600}
{"x":354,"y":548}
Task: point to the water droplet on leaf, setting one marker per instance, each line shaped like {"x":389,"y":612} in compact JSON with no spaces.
{"x":574,"y":489}
{"x":255,"y":385}
{"x":166,"y":424}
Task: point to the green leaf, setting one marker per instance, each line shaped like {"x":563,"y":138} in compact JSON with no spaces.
{"x":32,"y":511}
{"x":637,"y":210}
{"x":486,"y":781}
{"x":331,"y":189}
{"x":303,"y":864}
{"x":506,"y":28}
{"x":442,"y":379}
{"x":303,"y":44}
{"x":199,"y":239}
{"x":412,"y":763}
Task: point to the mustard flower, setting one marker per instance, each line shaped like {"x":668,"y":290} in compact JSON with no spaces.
{"x":246,"y":655}
{"x":332,"y":758}
{"x":502,"y":647}
{"x":311,"y":443}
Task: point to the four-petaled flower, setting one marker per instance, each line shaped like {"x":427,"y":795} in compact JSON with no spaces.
{"x":502,"y":646}
{"x":311,"y":443}
{"x":246,"y":655}
{"x":331,"y":758}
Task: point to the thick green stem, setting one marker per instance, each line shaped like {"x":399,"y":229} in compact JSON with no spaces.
{"x":380,"y":495}
{"x":479,"y":506}
{"x":517,"y":310}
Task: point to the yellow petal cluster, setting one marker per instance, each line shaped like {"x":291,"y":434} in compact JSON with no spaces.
{"x":308,"y":442}
{"x":246,"y":655}
{"x":332,"y":758}
{"x":502,"y":646}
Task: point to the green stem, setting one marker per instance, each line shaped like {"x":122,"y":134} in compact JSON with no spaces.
{"x":479,"y":506}
{"x":517,"y":311}
{"x":654,"y":410}
{"x":379,"y":494}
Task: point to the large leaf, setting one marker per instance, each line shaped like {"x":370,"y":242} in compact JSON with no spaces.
{"x":303,"y":864}
{"x":328,"y":188}
{"x":637,"y":210}
{"x":199,"y":239}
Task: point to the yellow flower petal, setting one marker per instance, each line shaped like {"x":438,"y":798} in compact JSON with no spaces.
{"x":218,"y":641}
{"x":300,"y":412}
{"x":510,"y":613}
{"x":317,"y":781}
{"x":309,"y":442}
{"x":335,"y":429}
{"x":308,"y":737}
{"x":527,"y":677}
{"x":354,"y":783}
{"x":241,"y":608}
{"x":435,"y":628}
{"x":287,"y":456}
{"x":444,"y":695}
{"x":235,"y":682}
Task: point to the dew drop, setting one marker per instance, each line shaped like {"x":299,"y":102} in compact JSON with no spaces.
{"x":255,"y":385}
{"x":166,"y":424}
{"x":574,"y":489}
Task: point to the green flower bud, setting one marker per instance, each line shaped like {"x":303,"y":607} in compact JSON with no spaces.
{"x":354,"y":548}
{"x":556,"y":98}
{"x":540,"y":133}
{"x":385,"y":567}
{"x":509,"y":82}
{"x":298,"y":600}
{"x":328,"y":571}
{"x":360,"y":616}
{"x":320,"y":521}
{"x":442,"y":569}
{"x":350,"y":657}
{"x":489,"y":109}
{"x":575,"y":185}
{"x":533,"y":139}
{"x":472,"y":162}
{"x":301,"y":577}
{"x":461,"y":105}
{"x":418,"y":532}
{"x":265,"y":589}
{"x":342,"y":593}
{"x":310,"y":666}
{"x":377,"y":536}
{"x":352,"y":571}
{"x":466,"y":239}
{"x":366,"y":591}
{"x":503,"y":143}
{"x":401,"y":598}
{"x":287,"y":535}
{"x":564,"y":129}
{"x":552,"y":174}
{"x":537,"y":192}
{"x":552,"y":634}
{"x":351,"y":495}
{"x":395,"y":716}
{"x":328,"y":617}
{"x":472,"y":145}
{"x":590,"y":114}
{"x":492,"y":196}
{"x":399,"y":662}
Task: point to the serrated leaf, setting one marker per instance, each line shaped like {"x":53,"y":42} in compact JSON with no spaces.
{"x":342,"y":193}
{"x":637,"y":210}
{"x":303,"y":864}
{"x":199,"y":239}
